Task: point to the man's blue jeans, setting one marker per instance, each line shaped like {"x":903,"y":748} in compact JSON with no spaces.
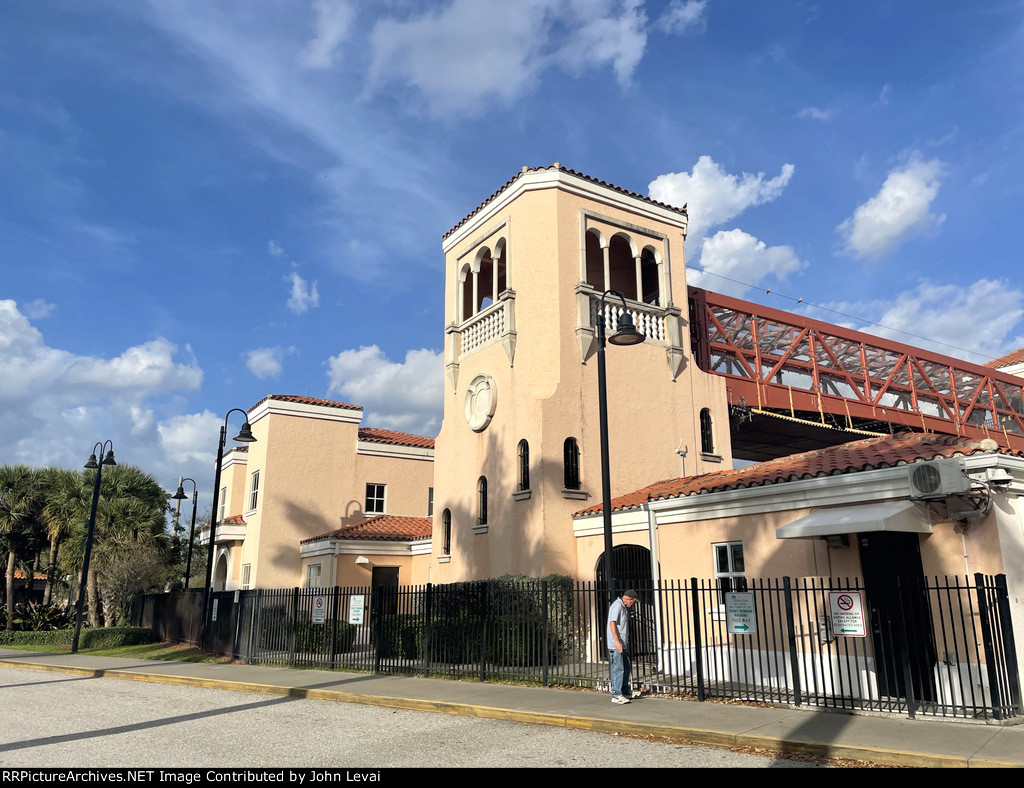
{"x":620,"y":667}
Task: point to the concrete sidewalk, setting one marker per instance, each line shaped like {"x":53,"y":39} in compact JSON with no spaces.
{"x":876,"y":739}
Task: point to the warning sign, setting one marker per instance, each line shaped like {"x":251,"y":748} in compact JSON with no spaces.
{"x":319,"y":609}
{"x":847,"y":609}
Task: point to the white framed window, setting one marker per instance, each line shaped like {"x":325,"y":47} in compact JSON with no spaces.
{"x":374,"y":499}
{"x":430,"y":502}
{"x":254,"y":490}
{"x":246,"y":576}
{"x":223,"y":503}
{"x":313,"y":576}
{"x":730,"y":571}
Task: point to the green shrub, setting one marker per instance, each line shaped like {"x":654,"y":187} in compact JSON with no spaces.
{"x":98,"y":637}
{"x":113,"y":637}
{"x":315,"y":638}
{"x":33,"y":617}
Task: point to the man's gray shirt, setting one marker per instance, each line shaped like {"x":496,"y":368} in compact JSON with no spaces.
{"x":618,"y":613}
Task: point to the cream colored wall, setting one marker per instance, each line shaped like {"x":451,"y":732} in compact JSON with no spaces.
{"x":411,"y":569}
{"x":685,"y":549}
{"x":550,"y":395}
{"x":314,"y":482}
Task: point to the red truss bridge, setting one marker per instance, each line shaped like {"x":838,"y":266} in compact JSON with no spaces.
{"x":796,"y":384}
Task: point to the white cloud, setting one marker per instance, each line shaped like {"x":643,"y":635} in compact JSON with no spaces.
{"x":38,"y":309}
{"x":54,"y":405}
{"x":190,"y":437}
{"x":333,"y":21}
{"x":898,"y":212}
{"x":683,"y":15}
{"x":713,"y":196}
{"x":739,"y":256}
{"x":266,"y":362}
{"x":304,"y":296}
{"x":813,"y":113}
{"x":274,"y":249}
{"x":448,"y":56}
{"x":403,"y":396}
{"x":947,"y":319}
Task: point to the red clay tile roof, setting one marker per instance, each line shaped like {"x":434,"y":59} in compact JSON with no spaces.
{"x":19,"y":574}
{"x":306,"y":401}
{"x":862,"y":455}
{"x":560,"y":168}
{"x":1013,"y":357}
{"x":397,"y":438}
{"x":242,"y":447}
{"x":382,"y":528}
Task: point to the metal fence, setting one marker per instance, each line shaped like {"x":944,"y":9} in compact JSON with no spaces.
{"x":940,"y":646}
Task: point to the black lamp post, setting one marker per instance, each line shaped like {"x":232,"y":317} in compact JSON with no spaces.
{"x":82,"y":586}
{"x":180,"y":496}
{"x":625,"y":334}
{"x":244,"y":436}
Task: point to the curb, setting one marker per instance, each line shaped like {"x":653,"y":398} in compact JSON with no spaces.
{"x":782,"y":747}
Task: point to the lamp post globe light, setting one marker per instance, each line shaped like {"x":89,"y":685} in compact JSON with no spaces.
{"x":625,"y":335}
{"x":244,"y":436}
{"x":180,"y":496}
{"x":92,"y":464}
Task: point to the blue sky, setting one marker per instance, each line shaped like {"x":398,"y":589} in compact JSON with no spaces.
{"x":202,"y":203}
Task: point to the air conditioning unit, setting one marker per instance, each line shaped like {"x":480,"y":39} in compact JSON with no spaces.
{"x":938,"y":478}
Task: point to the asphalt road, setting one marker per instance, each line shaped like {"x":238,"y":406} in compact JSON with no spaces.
{"x":57,"y":720}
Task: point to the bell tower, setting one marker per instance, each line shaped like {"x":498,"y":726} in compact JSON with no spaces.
{"x":519,"y":450}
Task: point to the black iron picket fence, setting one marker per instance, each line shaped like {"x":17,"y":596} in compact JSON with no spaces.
{"x":941,"y":646}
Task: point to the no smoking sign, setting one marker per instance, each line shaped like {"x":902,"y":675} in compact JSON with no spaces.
{"x":847,"y":608}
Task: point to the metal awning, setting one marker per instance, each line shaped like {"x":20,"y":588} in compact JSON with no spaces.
{"x":905,"y":516}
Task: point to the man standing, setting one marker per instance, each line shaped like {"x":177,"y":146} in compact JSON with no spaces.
{"x":618,"y":646}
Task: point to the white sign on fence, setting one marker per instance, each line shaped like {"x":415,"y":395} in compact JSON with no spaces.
{"x":319,"y":609}
{"x":213,"y":617}
{"x":740,"y":616}
{"x":356,"y":606}
{"x":847,"y":608}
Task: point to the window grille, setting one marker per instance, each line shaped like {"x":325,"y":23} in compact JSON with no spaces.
{"x":707,"y":437}
{"x":524,"y":465}
{"x":482,"y":489}
{"x":571,"y":461}
{"x":446,"y":531}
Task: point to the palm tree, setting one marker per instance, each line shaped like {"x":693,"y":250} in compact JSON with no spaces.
{"x":131,"y":512}
{"x":19,"y":507}
{"x":67,"y":505}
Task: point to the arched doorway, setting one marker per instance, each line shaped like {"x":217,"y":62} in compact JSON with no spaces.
{"x":631,"y":569}
{"x":220,"y":577}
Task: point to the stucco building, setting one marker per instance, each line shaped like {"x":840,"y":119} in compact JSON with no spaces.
{"x":311,"y":472}
{"x":518,"y":451}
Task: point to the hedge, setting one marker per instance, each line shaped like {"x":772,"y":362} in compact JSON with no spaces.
{"x":111,"y":637}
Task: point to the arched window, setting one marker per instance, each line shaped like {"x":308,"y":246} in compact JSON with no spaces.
{"x":649,"y":278}
{"x":485,"y":280}
{"x":707,"y":436}
{"x":595,"y":261}
{"x":571,"y":463}
{"x":481,"y":518}
{"x":622,"y":266}
{"x":524,"y":465}
{"x":446,"y":532}
{"x":466,"y":293}
{"x":501,"y":266}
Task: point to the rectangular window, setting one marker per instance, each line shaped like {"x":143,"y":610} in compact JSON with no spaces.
{"x":730,"y":572}
{"x":430,"y":502}
{"x":313,"y":576}
{"x":246,"y":575}
{"x":374,"y":499}
{"x":223,"y":503}
{"x":254,"y":490}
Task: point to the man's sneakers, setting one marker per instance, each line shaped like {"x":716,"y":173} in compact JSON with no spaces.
{"x":619,"y":699}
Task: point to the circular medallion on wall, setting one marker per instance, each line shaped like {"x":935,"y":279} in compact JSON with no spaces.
{"x":481,"y":399}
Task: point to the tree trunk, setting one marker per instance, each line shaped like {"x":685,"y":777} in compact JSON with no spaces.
{"x":93,"y":592}
{"x":10,"y":590}
{"x":50,"y":569}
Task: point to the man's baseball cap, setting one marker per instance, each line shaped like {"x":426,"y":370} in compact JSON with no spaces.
{"x":631,"y":594}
